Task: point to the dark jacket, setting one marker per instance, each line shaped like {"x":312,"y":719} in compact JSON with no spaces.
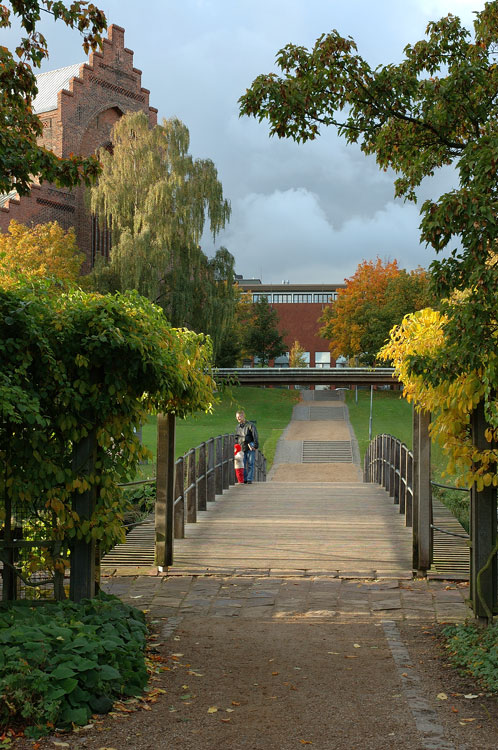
{"x":247,"y":433}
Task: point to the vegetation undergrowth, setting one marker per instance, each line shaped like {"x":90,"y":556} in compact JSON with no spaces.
{"x":474,"y":651}
{"x":60,"y":663}
{"x":269,"y":408}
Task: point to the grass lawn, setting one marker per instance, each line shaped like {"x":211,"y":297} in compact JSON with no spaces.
{"x":391,"y":414}
{"x":269,"y":408}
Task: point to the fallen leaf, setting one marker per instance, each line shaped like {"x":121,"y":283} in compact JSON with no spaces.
{"x":229,"y":710}
{"x":465,"y":721}
{"x":274,"y":673}
{"x":470,"y":696}
{"x":225,"y":721}
{"x":212,"y":710}
{"x":455,"y":710}
{"x":305,"y":742}
{"x":356,"y":645}
{"x":442,"y":697}
{"x":235,"y":703}
{"x":349,"y":656}
{"x":333,"y":652}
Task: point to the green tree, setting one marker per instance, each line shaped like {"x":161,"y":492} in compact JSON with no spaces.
{"x":261,"y":337}
{"x":157,"y":199}
{"x":21,"y":157}
{"x":437,"y":107}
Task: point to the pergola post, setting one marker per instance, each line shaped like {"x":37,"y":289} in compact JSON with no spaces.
{"x":483,"y":587}
{"x":424,"y":509}
{"x":165,"y":489}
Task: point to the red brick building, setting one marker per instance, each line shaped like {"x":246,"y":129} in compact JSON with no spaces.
{"x":78,"y":105}
{"x":299,"y":306}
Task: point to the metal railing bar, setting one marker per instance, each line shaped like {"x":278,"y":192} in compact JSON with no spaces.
{"x":449,"y":487}
{"x":450,"y":533}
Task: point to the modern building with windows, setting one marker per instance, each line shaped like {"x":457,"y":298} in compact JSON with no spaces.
{"x":299,"y":307}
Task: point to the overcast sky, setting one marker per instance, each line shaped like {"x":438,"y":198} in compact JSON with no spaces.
{"x":305,"y":213}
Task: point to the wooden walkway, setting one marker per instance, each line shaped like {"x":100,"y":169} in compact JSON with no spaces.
{"x":337,"y":528}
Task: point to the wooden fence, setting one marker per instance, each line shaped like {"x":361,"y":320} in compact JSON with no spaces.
{"x":406,"y":475}
{"x":188,"y":484}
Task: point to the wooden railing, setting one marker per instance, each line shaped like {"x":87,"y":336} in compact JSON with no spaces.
{"x":185,"y":486}
{"x":406,"y":476}
{"x":389,"y":462}
{"x":201,"y":474}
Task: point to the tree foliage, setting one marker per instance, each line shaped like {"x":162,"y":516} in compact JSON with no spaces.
{"x":157,"y":199}
{"x":375,"y":298}
{"x":297,"y":356}
{"x":450,"y":402}
{"x":437,"y":107}
{"x":261,"y":337}
{"x":42,"y":251}
{"x":75,"y":363}
{"x":21,"y":157}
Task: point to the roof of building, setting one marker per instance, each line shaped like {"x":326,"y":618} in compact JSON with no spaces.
{"x":251,"y":285}
{"x":49,"y":84}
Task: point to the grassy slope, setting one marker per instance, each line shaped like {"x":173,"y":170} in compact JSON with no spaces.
{"x":270,"y":408}
{"x":390,"y":414}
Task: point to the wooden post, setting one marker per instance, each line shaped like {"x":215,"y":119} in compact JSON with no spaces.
{"x":191,"y":489}
{"x":416,"y":453}
{"x":7,"y":556}
{"x":165,"y":487}
{"x":211,"y":473}
{"x":482,"y":533}
{"x":409,"y":489}
{"x":179,"y":509}
{"x":82,"y":574}
{"x":225,"y":463}
{"x":392,"y":464}
{"x":218,"y":466}
{"x":402,"y":478}
{"x":424,"y":495}
{"x":202,"y":480}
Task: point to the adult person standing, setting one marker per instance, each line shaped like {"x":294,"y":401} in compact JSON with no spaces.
{"x":247,"y":436}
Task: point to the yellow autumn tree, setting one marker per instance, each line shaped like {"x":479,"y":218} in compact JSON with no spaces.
{"x":297,"y":356}
{"x":42,"y":251}
{"x":451,"y":402}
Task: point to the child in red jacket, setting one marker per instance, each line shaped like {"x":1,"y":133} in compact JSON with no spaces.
{"x":238,"y":462}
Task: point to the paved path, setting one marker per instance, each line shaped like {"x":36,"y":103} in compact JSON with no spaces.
{"x":291,"y":618}
{"x":313,"y":515}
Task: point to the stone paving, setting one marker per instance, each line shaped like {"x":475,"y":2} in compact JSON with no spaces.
{"x":276,"y":598}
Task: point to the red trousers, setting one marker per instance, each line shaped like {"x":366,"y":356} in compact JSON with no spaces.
{"x":239,"y":473}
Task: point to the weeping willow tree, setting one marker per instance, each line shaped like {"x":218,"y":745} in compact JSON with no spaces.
{"x":157,"y":200}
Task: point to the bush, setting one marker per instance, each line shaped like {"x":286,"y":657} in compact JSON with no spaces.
{"x":475,"y":652}
{"x":61,"y":663}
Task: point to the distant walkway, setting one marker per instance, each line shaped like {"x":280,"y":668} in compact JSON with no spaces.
{"x":314,"y":515}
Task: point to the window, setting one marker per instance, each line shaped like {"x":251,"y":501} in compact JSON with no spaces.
{"x":322,"y":360}
{"x":324,"y":297}
{"x":258,"y":297}
{"x":303,"y":298}
{"x":282,"y":298}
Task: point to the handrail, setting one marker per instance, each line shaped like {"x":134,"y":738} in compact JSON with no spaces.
{"x":389,"y":462}
{"x":204,"y":472}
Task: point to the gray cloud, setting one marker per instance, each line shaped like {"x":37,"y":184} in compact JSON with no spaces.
{"x":300,"y":212}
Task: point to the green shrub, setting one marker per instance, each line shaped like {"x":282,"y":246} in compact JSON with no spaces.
{"x":61,"y":663}
{"x":475,"y":652}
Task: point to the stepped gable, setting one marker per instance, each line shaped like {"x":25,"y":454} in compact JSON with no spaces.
{"x":78,"y":106}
